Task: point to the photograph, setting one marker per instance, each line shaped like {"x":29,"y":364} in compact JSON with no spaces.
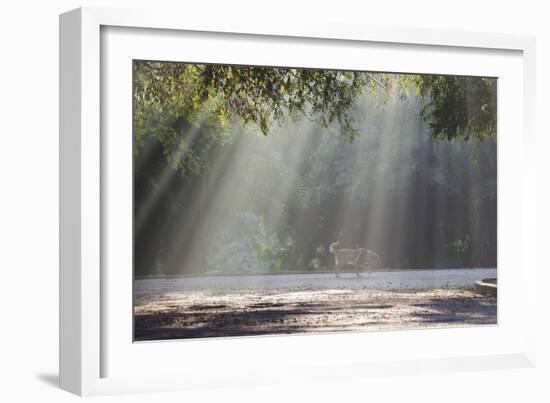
{"x":276,"y":200}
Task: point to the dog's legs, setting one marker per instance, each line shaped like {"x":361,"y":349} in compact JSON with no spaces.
{"x":357,"y":264}
{"x":337,"y":270}
{"x":368,"y":268}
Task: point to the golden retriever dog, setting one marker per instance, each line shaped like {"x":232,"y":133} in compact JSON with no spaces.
{"x":360,"y":258}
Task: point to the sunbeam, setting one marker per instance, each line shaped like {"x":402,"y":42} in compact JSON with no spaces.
{"x":185,"y":141}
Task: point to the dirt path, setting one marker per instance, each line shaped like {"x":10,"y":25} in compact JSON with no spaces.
{"x":237,"y":306}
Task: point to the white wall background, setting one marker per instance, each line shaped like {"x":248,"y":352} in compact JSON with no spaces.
{"x":29,"y":197}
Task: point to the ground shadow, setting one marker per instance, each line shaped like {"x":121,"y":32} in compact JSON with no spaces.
{"x":175,"y":321}
{"x":254,"y":319}
{"x":458,"y":309}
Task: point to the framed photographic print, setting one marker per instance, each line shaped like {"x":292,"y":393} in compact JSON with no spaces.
{"x":252,"y":201}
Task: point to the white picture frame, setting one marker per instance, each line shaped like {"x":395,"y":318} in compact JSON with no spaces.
{"x":88,"y":316}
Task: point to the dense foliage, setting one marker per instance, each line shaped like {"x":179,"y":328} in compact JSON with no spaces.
{"x":172,"y":98}
{"x":459,"y":107}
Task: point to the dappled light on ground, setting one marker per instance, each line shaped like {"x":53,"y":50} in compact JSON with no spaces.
{"x":206,"y":314}
{"x":216,"y":306}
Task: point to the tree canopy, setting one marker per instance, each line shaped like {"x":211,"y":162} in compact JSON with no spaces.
{"x":172,"y":100}
{"x":458,"y":106}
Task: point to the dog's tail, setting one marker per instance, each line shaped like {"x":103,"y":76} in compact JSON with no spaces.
{"x":333,"y":247}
